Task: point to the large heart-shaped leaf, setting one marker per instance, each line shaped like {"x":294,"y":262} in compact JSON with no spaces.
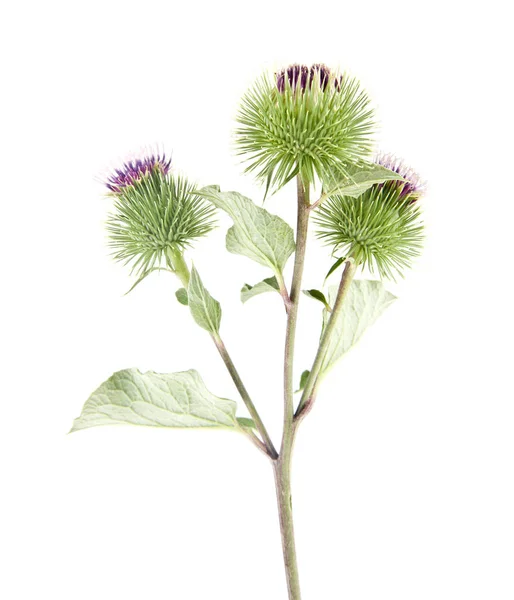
{"x":157,"y":400}
{"x":256,"y":233}
{"x":364,"y":303}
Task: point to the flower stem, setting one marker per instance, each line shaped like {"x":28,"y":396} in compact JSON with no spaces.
{"x":309,"y":390}
{"x":294,"y":296}
{"x":181,"y":270}
{"x":282,"y":467}
{"x":178,"y":264}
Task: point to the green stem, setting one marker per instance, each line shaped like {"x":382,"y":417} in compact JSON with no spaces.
{"x":181,"y":270}
{"x":282,"y":466}
{"x":245,"y":396}
{"x":283,"y":290}
{"x":321,"y":199}
{"x":294,"y":297}
{"x":282,"y":472}
{"x":309,"y":390}
{"x":258,"y":443}
{"x":179,"y":266}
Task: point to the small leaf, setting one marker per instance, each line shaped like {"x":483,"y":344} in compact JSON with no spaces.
{"x":145,"y":275}
{"x":256,"y":233}
{"x":205,"y":309}
{"x":357,"y":179}
{"x":303,"y":380}
{"x":320,"y":296}
{"x":246,"y":423}
{"x":157,"y":400}
{"x":364,"y":303}
{"x":335,"y":266}
{"x":181,"y":295}
{"x":267,"y":285}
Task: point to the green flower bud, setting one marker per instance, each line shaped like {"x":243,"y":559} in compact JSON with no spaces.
{"x":155,"y":218}
{"x":381,"y":229}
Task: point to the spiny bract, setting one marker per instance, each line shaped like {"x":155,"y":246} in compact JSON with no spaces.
{"x":308,"y":121}
{"x":157,"y":214}
{"x":381,"y":228}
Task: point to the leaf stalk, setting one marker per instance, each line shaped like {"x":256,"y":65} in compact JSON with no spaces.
{"x":271,"y":451}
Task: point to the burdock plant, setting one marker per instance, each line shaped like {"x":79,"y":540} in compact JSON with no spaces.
{"x":309,"y":124}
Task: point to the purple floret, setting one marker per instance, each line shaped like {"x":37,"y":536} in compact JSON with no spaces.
{"x":134,"y":170}
{"x":323,"y":74}
{"x":412,"y":186}
{"x":302,"y":76}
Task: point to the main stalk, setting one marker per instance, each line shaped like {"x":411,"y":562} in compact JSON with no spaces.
{"x":282,"y":466}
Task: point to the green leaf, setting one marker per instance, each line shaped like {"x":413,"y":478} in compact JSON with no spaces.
{"x":303,"y":380}
{"x":181,"y":295}
{"x":205,"y":309}
{"x":364,"y":303}
{"x":357,"y":179}
{"x":256,"y":233}
{"x":209,"y":188}
{"x":335,"y":266}
{"x":320,"y":296}
{"x":267,"y":285}
{"x":157,"y":400}
{"x":246,"y":423}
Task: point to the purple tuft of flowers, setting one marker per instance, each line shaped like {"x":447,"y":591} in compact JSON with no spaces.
{"x":412,"y":186}
{"x":133,"y":170}
{"x":302,"y":76}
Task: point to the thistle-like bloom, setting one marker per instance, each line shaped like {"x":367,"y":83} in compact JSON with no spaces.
{"x":309,"y":121}
{"x":133,"y":170}
{"x":381,"y":228}
{"x":156,"y":215}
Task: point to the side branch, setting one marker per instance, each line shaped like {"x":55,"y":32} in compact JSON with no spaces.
{"x":309,"y":392}
{"x":178,"y":265}
{"x":283,"y":292}
{"x":271,"y":451}
{"x":257,"y":442}
{"x":321,"y":199}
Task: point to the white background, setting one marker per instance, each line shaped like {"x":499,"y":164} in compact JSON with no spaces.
{"x":403,"y":475}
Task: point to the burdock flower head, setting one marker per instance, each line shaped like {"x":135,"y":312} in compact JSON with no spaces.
{"x":381,"y":228}
{"x":156,"y":215}
{"x":307,"y":121}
